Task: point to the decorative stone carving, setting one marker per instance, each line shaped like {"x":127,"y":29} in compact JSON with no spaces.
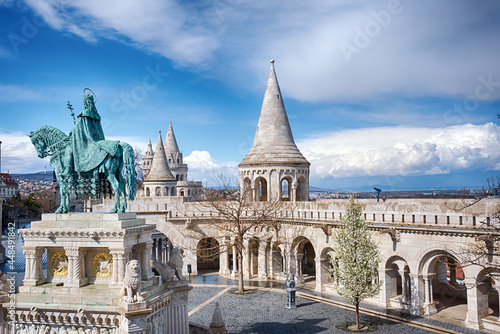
{"x":102,"y":264}
{"x":172,"y":271}
{"x":59,"y":264}
{"x":394,"y":233}
{"x":132,"y":282}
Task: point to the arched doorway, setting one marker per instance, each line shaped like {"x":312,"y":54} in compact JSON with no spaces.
{"x":324,"y":280}
{"x":278,"y":268}
{"x":207,"y":254}
{"x":397,"y":284}
{"x":444,"y":285}
{"x":253,"y":257}
{"x":303,"y":262}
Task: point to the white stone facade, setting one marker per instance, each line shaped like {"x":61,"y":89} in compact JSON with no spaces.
{"x":87,"y":271}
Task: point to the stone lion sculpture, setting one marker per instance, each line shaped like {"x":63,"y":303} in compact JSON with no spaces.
{"x":132,"y":282}
{"x":172,"y":271}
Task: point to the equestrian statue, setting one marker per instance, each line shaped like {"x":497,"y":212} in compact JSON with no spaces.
{"x":83,"y":160}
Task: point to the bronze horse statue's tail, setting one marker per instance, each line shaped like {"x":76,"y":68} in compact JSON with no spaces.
{"x":129,"y":169}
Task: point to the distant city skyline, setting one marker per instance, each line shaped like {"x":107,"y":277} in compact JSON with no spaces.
{"x":394,"y":94}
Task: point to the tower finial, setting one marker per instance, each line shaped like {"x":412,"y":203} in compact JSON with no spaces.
{"x":272,"y":61}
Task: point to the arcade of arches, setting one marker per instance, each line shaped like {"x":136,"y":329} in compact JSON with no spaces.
{"x":423,"y":282}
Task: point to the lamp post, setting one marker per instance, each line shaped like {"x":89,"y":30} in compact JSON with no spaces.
{"x":189,"y":271}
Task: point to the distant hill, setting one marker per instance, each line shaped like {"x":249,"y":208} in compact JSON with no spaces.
{"x":40,"y":176}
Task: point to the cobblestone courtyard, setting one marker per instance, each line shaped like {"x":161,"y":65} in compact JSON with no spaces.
{"x":263,"y":311}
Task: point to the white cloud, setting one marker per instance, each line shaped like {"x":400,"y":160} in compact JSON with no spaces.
{"x":232,"y":39}
{"x":203,"y":167}
{"x":403,"y":151}
{"x":19,"y":154}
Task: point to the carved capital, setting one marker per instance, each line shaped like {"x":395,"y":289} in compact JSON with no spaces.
{"x":327,"y":229}
{"x":393,"y":232}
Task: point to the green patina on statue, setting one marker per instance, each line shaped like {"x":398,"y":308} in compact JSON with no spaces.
{"x":84,"y":158}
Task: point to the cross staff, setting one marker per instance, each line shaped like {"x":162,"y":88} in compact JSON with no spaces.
{"x":70,"y":107}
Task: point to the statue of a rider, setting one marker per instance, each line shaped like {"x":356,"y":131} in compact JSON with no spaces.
{"x":85,"y":152}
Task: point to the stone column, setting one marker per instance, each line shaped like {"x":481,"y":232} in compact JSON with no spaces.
{"x":235,"y":261}
{"x":147,"y":272}
{"x":252,"y":261}
{"x":159,"y":251}
{"x":404,"y":286}
{"x":417,"y":298}
{"x":120,"y":259}
{"x":429,"y":304}
{"x":155,"y":245}
{"x":389,"y":286}
{"x":33,"y":268}
{"x":262,"y":260}
{"x":246,"y":260}
{"x":321,"y":272}
{"x":76,"y":267}
{"x":294,"y":192}
{"x":477,"y":303}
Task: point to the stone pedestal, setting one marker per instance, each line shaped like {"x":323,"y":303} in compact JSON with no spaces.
{"x":82,"y":290}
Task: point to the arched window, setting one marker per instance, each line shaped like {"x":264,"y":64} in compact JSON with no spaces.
{"x":147,"y":192}
{"x":262,"y":189}
{"x":285,"y":189}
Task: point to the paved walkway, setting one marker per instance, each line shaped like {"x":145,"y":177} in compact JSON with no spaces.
{"x":263,"y":311}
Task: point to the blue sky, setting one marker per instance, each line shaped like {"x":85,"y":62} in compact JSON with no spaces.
{"x":399,"y":94}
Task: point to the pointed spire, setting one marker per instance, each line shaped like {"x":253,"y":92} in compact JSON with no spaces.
{"x":159,"y":168}
{"x":273,"y":141}
{"x":149,"y":150}
{"x":170,"y":141}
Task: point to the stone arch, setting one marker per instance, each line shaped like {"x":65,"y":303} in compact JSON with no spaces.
{"x":396,"y":290}
{"x":253,"y":257}
{"x":172,"y":191}
{"x":147,"y":192}
{"x":323,"y":277}
{"x":302,"y":191}
{"x":207,"y":254}
{"x":278,"y":265}
{"x":303,"y":260}
{"x":286,"y":188}
{"x":165,"y":191}
{"x":158,"y":191}
{"x":262,"y":189}
{"x":444,"y":282}
{"x":489,"y":293}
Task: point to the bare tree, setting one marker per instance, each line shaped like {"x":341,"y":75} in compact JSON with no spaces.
{"x":238,"y":216}
{"x":138,"y":157}
{"x":484,"y":251}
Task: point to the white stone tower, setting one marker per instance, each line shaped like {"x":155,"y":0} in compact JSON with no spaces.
{"x":159,"y":181}
{"x":147,"y":161}
{"x":175,"y":162}
{"x":274,"y":168}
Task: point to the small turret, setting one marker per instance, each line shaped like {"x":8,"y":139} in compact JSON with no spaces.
{"x":147,"y":161}
{"x":159,"y":181}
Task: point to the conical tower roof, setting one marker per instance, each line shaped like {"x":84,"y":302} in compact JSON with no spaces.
{"x":149,"y":150}
{"x":273,"y":143}
{"x":159,"y":168}
{"x":170,"y":141}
